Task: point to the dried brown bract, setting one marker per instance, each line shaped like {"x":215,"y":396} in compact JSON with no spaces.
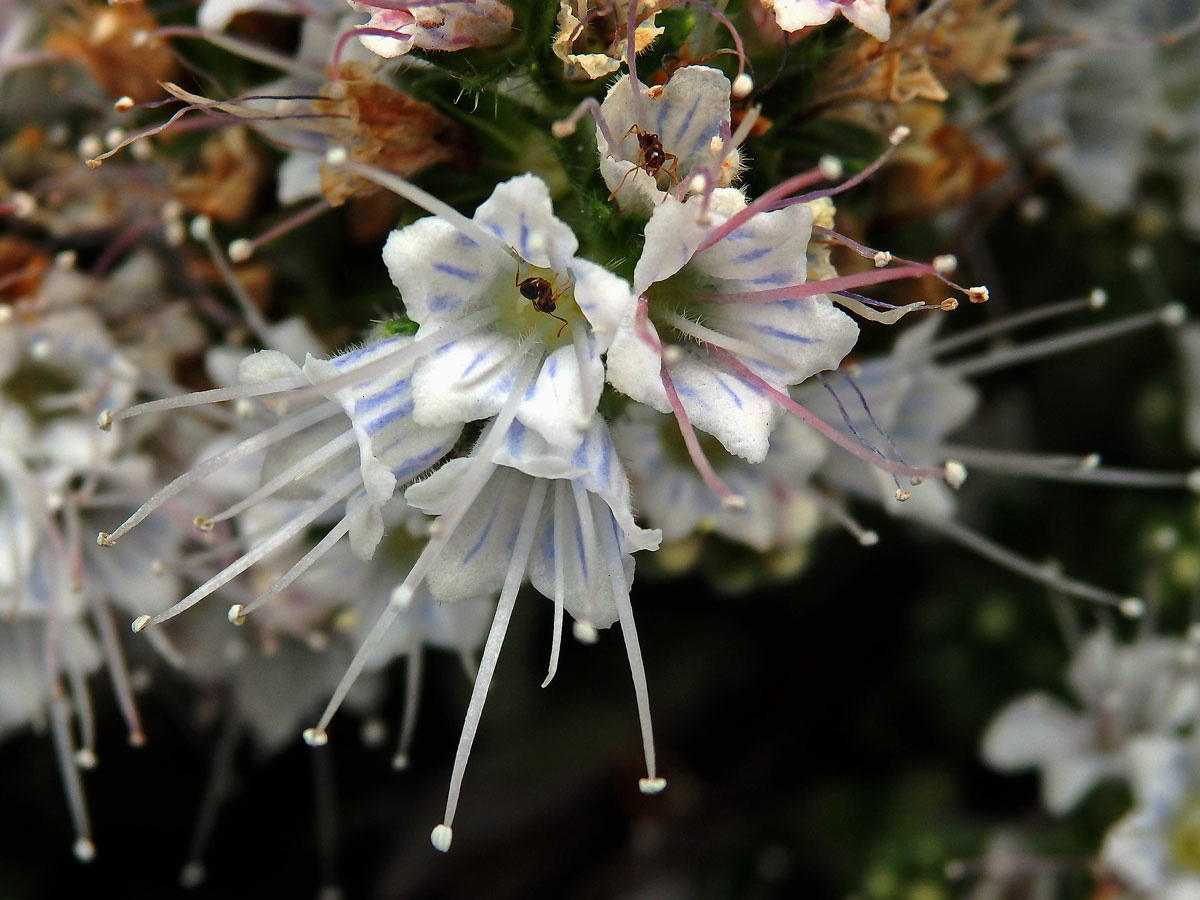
{"x":226,"y":181}
{"x":117,"y":46}
{"x":384,"y":127}
{"x":962,"y":40}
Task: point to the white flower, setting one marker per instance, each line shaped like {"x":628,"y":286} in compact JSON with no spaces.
{"x":685,"y":116}
{"x":1127,"y":693}
{"x":1155,"y":848}
{"x":698,"y":299}
{"x":869,"y":15}
{"x":435,"y":26}
{"x":447,"y":277}
{"x":361,"y":399}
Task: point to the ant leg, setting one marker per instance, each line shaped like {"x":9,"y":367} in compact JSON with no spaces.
{"x":560,"y":327}
{"x":628,"y":172}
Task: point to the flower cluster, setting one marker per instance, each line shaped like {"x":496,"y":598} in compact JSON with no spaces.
{"x":636,"y":320}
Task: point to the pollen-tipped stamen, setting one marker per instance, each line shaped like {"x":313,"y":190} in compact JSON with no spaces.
{"x":241,"y":450}
{"x":60,"y":716}
{"x":519,"y":560}
{"x":1096,"y":299}
{"x":652,"y":783}
{"x":1014,"y":562}
{"x":560,"y":588}
{"x":338,"y":492}
{"x":1170,"y":316}
{"x":825,"y":429}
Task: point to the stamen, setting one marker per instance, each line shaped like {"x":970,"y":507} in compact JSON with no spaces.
{"x":340,"y":490}
{"x":827,"y":430}
{"x":412,"y":689}
{"x":303,"y":467}
{"x":813,"y":288}
{"x":560,"y":589}
{"x":1171,"y":316}
{"x":1097,"y":299}
{"x":249,"y":446}
{"x":85,"y":756}
{"x":254,"y":318}
{"x":1072,"y":468}
{"x":242,"y":249}
{"x":216,"y":792}
{"x":1131,"y":607}
{"x":864,"y":536}
{"x":118,"y":672}
{"x":60,"y":713}
{"x":305,"y":562}
{"x":651,"y":784}
{"x":523,"y":546}
{"x":459,"y":505}
{"x":564,"y":128}
{"x":414,"y":194}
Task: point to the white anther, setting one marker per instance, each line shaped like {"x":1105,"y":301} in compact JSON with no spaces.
{"x":830,"y":167}
{"x":85,"y":758}
{"x":400,"y":762}
{"x":1098,"y":298}
{"x":200,"y":228}
{"x":956,"y":473}
{"x":336,"y":156}
{"x":651,"y":785}
{"x":1141,"y":257}
{"x":402,"y":596}
{"x":1090,"y":463}
{"x":1032,"y":209}
{"x":240,"y":250}
{"x":192,"y":875}
{"x":899,"y":134}
{"x":1174,"y":315}
{"x":735,"y":502}
{"x":315,"y":737}
{"x":585,"y":633}
{"x":124,"y":104}
{"x":945,"y":263}
{"x":902,"y":494}
{"x":868,"y":538}
{"x":562,"y":129}
{"x":672,"y":354}
{"x":742,"y":86}
{"x":104,"y":422}
{"x":89,"y":146}
{"x":1164,"y":538}
{"x":373,"y":732}
{"x":85,"y":850}
{"x":173,"y":232}
{"x":441,"y":838}
{"x":697,"y":184}
{"x":140,"y":38}
{"x":1132,"y":607}
{"x":978,"y":294}
{"x":113,"y":137}
{"x":716,"y":145}
{"x":882,"y":258}
{"x":23,"y":204}
{"x":104,"y":539}
{"x":139,"y":624}
{"x":66,"y":259}
{"x":203,"y":523}
{"x":159,"y":568}
{"x":236,"y":614}
{"x":40,"y":349}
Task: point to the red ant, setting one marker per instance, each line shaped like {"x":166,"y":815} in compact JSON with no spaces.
{"x":652,"y":158}
{"x":540,"y":293}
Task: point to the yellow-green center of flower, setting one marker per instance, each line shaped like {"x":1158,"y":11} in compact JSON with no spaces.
{"x":538,"y":303}
{"x":1183,"y":840}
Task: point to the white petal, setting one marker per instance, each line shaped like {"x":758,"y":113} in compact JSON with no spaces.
{"x":1031,"y":730}
{"x":521,"y":215}
{"x":554,"y":408}
{"x":465,"y":380}
{"x":604,"y":298}
{"x":1066,"y":779}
